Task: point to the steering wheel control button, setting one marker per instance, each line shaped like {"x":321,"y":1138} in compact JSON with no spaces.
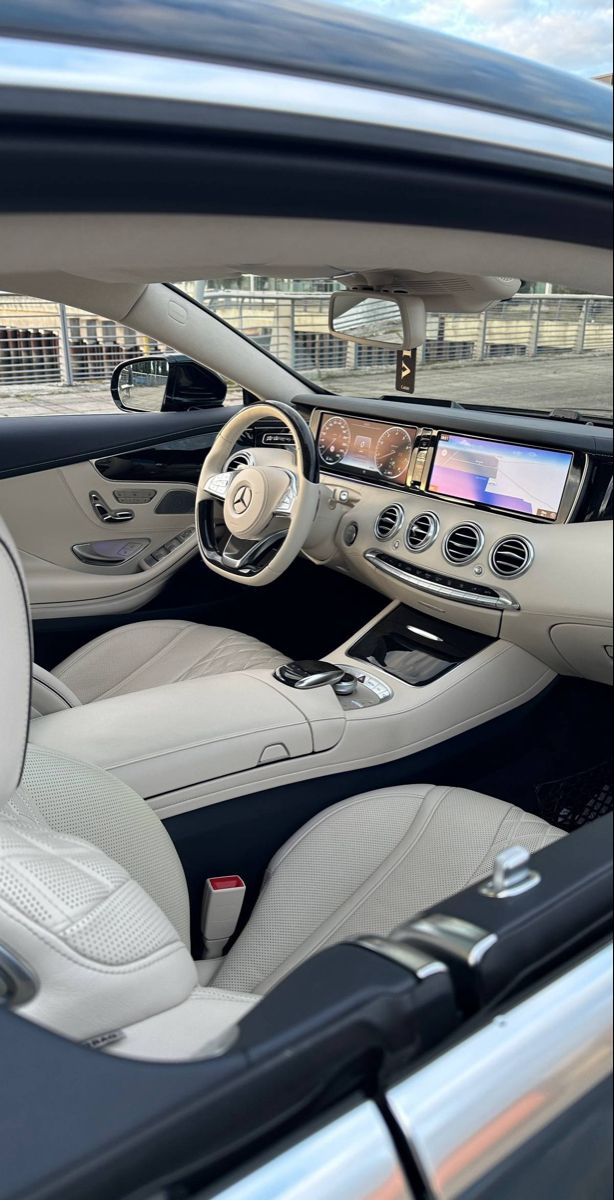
{"x":350,"y":533}
{"x":217,"y":485}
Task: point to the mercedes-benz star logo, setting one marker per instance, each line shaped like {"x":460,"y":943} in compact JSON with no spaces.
{"x":242,"y":500}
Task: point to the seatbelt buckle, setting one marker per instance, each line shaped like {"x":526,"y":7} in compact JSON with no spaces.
{"x":221,"y":908}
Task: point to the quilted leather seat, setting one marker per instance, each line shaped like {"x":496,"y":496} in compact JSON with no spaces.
{"x":147,"y":654}
{"x":93,"y":896}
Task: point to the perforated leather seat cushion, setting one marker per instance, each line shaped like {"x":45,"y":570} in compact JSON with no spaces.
{"x":367,"y":864}
{"x":150,"y":654}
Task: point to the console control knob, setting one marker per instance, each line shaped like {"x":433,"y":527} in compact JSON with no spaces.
{"x":350,"y":533}
{"x":309,"y":673}
{"x":346,"y":686}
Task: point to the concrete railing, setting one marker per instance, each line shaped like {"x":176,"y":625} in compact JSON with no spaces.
{"x":46,"y":343}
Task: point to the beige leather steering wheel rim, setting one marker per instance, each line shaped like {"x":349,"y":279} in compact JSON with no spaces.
{"x":257,"y":502}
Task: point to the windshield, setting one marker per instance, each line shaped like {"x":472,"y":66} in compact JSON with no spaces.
{"x":543,"y":350}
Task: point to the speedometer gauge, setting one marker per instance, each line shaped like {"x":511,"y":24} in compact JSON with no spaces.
{"x":393,"y":452}
{"x":334,"y":441}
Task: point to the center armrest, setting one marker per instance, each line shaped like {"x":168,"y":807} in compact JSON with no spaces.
{"x":186,"y":733}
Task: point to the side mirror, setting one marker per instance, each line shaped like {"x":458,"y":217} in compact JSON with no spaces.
{"x":166,"y":383}
{"x":376,"y":319}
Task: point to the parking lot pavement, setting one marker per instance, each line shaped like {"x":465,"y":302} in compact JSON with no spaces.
{"x":544,"y":384}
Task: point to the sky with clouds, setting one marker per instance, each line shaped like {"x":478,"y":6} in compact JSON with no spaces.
{"x":573,"y":34}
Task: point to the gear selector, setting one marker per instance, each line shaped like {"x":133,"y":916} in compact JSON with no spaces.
{"x":312,"y":673}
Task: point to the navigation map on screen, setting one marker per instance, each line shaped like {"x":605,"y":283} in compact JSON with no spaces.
{"x":520,"y":479}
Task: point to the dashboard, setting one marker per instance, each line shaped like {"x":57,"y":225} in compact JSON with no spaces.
{"x":491,"y":520}
{"x":532,"y":482}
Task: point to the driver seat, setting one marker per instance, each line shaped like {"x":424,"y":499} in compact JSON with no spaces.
{"x":146,"y":654}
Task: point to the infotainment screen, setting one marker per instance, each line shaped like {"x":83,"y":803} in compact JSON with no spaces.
{"x":523,"y":479}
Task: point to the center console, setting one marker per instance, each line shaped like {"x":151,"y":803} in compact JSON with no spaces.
{"x":404,"y":682}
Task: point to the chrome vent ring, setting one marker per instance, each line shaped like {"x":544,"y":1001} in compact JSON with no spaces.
{"x":239,"y":459}
{"x":463,"y":544}
{"x":422,"y":532}
{"x":511,"y":557}
{"x":388,"y":522}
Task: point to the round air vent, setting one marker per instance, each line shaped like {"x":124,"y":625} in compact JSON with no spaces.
{"x":239,"y":459}
{"x":422,"y":532}
{"x":463,"y":544}
{"x":511,"y":556}
{"x":388,"y":522}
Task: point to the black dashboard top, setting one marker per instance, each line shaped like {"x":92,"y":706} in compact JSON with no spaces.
{"x":536,"y":431}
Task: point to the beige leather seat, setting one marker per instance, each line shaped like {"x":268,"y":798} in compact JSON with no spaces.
{"x":143,"y":655}
{"x":93,"y":896}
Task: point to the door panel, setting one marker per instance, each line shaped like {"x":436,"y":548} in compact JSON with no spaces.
{"x":51,"y":511}
{"x":118,"y":565}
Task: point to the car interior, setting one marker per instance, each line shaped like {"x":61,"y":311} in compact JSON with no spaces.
{"x":343,"y":658}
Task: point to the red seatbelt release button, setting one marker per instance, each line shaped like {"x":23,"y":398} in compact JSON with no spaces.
{"x":221,"y":908}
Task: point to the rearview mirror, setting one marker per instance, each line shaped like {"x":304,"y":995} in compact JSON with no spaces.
{"x":375,"y":319}
{"x":166,"y":383}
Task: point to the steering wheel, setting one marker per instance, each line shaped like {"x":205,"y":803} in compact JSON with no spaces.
{"x":268,"y":511}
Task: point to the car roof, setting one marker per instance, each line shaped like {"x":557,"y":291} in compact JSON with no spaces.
{"x":324,"y":42}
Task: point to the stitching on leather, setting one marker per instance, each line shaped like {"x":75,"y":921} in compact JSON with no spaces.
{"x":328,"y":813}
{"x":144,"y":665}
{"x":88,"y":963}
{"x":79,"y":655}
{"x":113,"y":635}
{"x":393,"y":858}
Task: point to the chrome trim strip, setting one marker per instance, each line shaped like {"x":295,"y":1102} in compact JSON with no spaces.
{"x":473,"y":1107}
{"x":423,"y":966}
{"x":501,"y":602}
{"x":450,"y":936}
{"x":57,"y":66}
{"x":350,"y":1158}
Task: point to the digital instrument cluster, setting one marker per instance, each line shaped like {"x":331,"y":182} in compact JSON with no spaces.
{"x":539,"y":483}
{"x":366,"y":449}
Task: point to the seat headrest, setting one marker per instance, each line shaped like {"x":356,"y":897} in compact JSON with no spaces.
{"x":15,"y":665}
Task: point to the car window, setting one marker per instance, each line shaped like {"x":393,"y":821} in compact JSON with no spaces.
{"x":55,"y":359}
{"x":543,"y":349}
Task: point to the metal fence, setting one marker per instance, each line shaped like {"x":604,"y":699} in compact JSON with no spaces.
{"x":46,"y":343}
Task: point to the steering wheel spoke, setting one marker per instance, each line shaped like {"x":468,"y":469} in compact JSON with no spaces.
{"x":288,"y":500}
{"x":239,"y":555}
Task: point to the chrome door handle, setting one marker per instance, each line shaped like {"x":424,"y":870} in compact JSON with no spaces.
{"x":120,"y":514}
{"x":109,"y":516}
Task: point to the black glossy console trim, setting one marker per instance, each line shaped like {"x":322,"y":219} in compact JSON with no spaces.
{"x":425,"y":648}
{"x":30,"y":444}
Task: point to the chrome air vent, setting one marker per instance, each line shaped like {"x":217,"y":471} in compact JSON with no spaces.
{"x":511,"y":556}
{"x":388,"y":522}
{"x":239,"y":459}
{"x":463,"y":544}
{"x":422,"y":532}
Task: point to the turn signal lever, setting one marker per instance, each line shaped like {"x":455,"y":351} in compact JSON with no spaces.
{"x":311,"y":673}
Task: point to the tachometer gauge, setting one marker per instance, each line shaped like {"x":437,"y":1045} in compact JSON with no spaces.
{"x":393,"y":452}
{"x":334,"y":441}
